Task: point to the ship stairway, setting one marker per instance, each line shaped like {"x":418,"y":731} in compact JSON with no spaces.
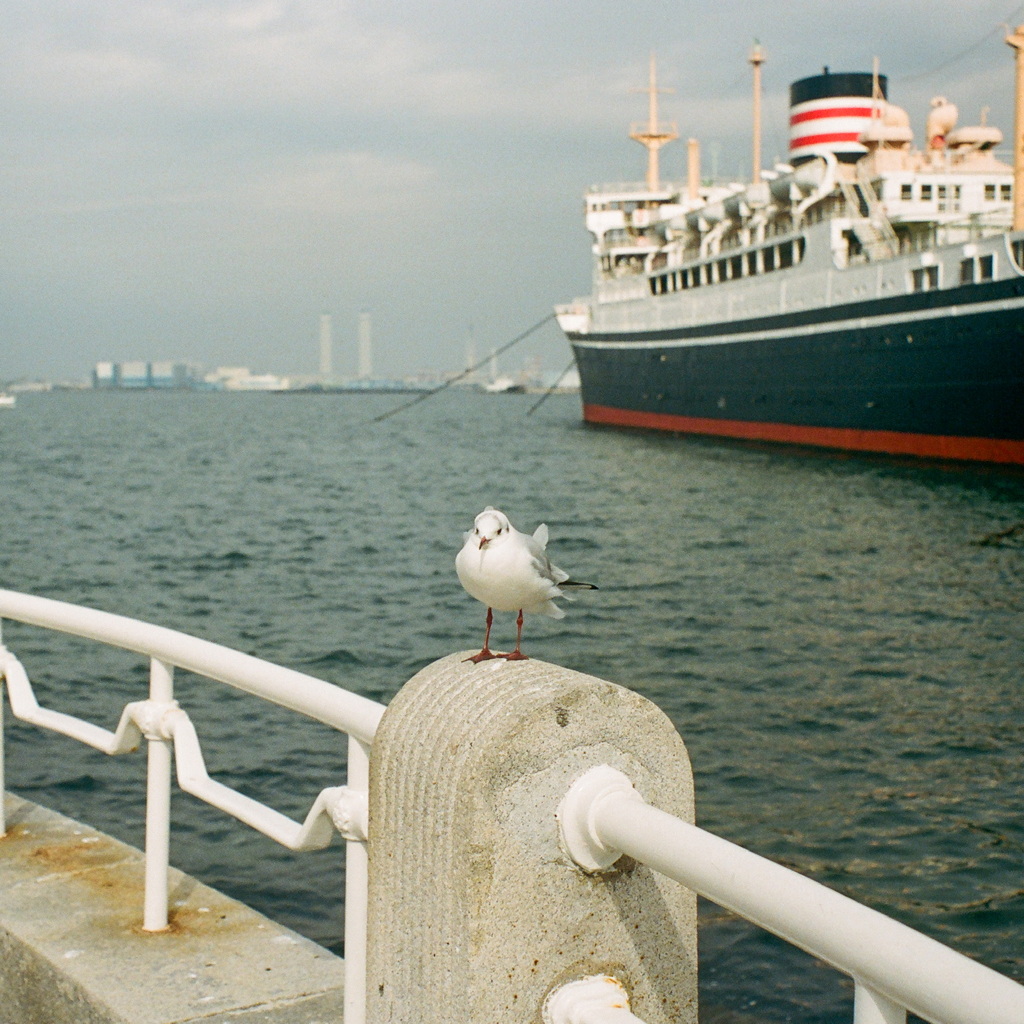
{"x":869,"y":222}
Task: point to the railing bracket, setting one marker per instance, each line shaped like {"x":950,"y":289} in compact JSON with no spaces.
{"x":349,"y":811}
{"x":575,"y":817}
{"x":599,"y":999}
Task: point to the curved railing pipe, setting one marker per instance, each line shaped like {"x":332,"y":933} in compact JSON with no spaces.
{"x":893,"y":966}
{"x":172,"y":740}
{"x":346,"y":711}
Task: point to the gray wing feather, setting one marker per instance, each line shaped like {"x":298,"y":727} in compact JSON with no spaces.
{"x":536,"y":545}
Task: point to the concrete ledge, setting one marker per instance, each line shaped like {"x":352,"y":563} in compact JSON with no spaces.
{"x":72,"y":948}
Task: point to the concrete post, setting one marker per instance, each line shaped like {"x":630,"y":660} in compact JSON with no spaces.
{"x":476,"y":913}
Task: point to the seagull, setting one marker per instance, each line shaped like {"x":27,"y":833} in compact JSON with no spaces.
{"x":510,"y":571}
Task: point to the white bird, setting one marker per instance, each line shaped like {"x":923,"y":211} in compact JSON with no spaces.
{"x":510,"y":571}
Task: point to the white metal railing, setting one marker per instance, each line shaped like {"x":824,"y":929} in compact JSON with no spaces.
{"x":170,"y":734}
{"x":894,"y":968}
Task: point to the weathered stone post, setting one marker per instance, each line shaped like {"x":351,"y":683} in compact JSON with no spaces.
{"x":476,"y":912}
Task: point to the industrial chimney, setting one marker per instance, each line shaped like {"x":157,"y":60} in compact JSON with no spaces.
{"x":365,"y":348}
{"x":326,"y":366}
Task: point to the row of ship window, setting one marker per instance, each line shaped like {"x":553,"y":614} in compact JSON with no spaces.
{"x":777,"y":257}
{"x":972,"y":270}
{"x":926,"y":192}
{"x":729,"y":268}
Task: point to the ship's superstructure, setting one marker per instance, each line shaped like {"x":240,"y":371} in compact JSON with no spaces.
{"x":868,"y":294}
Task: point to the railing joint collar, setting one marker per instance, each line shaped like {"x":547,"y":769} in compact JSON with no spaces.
{"x":349,"y":810}
{"x":152,"y":717}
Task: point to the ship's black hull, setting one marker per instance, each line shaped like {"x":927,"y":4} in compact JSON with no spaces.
{"x":907,"y":376}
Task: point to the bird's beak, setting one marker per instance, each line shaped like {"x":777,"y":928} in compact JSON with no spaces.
{"x":483,"y":541}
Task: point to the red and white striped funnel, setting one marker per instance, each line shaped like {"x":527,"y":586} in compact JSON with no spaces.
{"x":828,"y":112}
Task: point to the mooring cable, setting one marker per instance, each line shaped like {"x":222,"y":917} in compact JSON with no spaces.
{"x":465,"y":373}
{"x":551,"y":390}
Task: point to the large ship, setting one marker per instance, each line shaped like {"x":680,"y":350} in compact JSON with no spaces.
{"x":866,"y":295}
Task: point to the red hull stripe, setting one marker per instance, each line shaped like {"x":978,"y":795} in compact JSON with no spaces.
{"x":817,"y":140}
{"x":813,"y":115}
{"x":935,"y":446}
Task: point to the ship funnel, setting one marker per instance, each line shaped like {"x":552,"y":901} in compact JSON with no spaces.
{"x":829,"y":112}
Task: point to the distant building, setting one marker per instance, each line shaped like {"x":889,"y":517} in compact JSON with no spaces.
{"x":240,"y":378}
{"x":167,"y":375}
{"x":139,"y":374}
{"x":134,"y":374}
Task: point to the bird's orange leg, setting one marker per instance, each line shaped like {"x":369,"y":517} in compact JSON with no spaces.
{"x":486,"y":653}
{"x":517,"y":655}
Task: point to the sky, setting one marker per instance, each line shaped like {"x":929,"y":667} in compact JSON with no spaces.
{"x":200,"y":180}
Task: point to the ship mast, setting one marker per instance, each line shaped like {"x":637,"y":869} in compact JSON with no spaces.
{"x":652,"y":135}
{"x":1016,"y":40}
{"x":756,"y":59}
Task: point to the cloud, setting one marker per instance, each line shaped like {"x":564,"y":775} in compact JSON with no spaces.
{"x":205,"y":59}
{"x":237,"y":66}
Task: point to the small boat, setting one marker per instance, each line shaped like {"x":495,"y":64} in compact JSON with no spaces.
{"x":504,"y":386}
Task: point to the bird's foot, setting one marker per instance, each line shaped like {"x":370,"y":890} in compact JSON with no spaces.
{"x":514,"y":656}
{"x":485,"y":655}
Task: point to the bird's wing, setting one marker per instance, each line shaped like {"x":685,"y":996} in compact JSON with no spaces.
{"x":539,"y":557}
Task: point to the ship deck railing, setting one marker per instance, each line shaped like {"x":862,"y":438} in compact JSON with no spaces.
{"x":637,"y":188}
{"x":895,"y":969}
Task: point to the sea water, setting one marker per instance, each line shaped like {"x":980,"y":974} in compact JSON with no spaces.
{"x":839,"y":640}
